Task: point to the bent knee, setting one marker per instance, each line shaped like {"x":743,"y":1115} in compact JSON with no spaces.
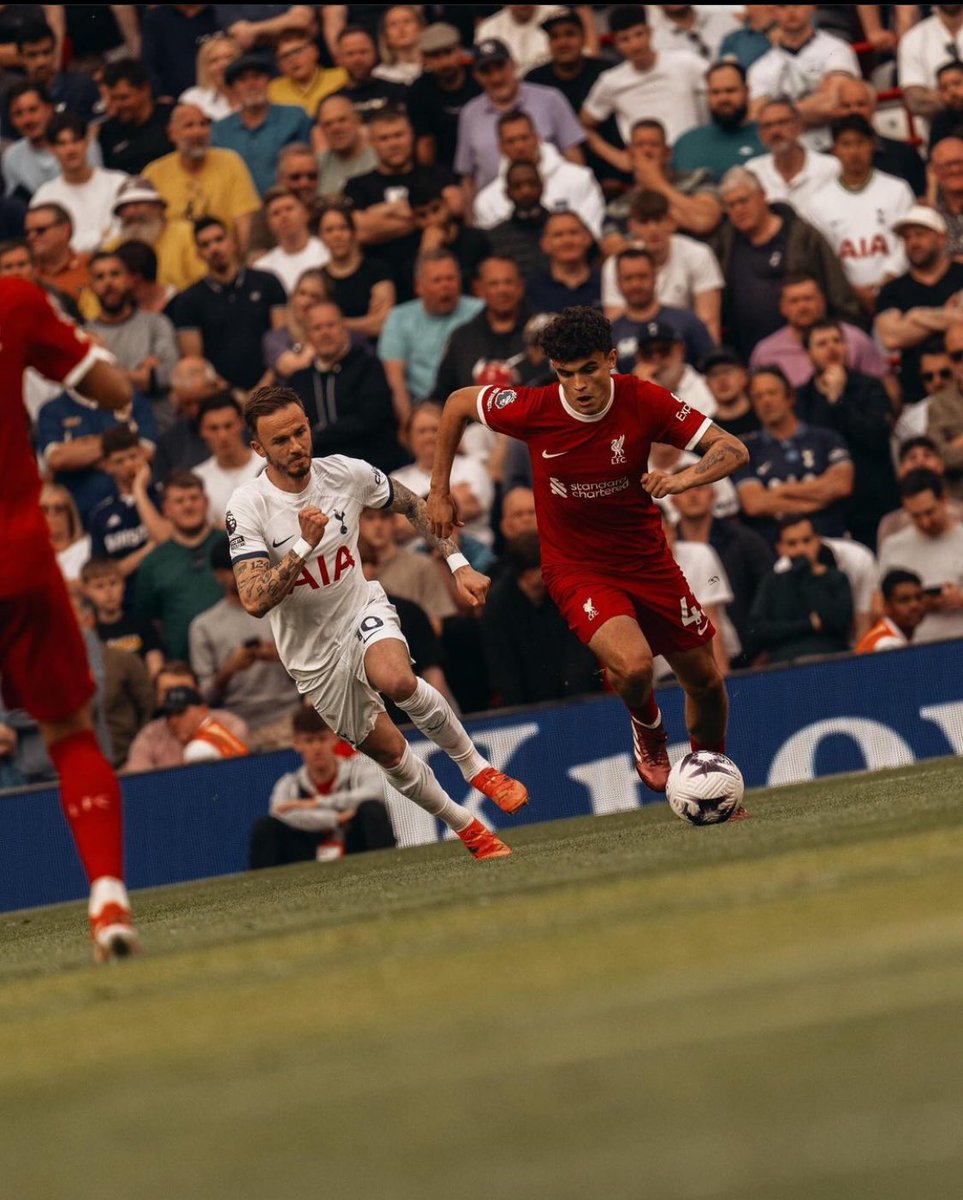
{"x":399,"y":685}
{"x":634,"y":671}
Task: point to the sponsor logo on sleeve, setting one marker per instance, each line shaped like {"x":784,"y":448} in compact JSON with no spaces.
{"x":236,"y":542}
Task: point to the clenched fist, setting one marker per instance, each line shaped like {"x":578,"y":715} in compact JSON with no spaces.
{"x":472,"y":586}
{"x":312,"y":522}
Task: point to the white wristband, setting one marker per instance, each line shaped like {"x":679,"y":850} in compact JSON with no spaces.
{"x":303,"y":548}
{"x":456,"y":562}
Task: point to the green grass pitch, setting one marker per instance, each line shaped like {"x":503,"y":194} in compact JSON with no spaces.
{"x":628,"y":1007}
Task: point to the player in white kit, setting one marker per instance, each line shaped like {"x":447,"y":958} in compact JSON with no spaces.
{"x":294,"y":544}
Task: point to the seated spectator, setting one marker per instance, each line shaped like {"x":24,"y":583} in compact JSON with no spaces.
{"x":70,"y":543}
{"x":357,"y":55}
{"x":440,"y":92}
{"x":302,"y":81}
{"x":403,"y":572}
{"x":69,"y":437}
{"x":297,"y":248}
{"x":532,"y":654}
{"x":932,"y":547}
{"x":570,"y":278}
{"x":135,"y":133}
{"x":856,"y":212}
{"x":103,"y":586}
{"x":660,"y":356}
{"x":142,"y":218}
{"x":565,"y":185}
{"x":752,"y":41}
{"x":345,"y":394}
{"x":287,"y":349}
{"x":904,"y":607}
{"x":383,"y":215}
{"x":793,"y":469}
{"x":948,"y":118}
{"x":921,"y":302}
{"x":361,"y":286}
{"x":730,"y":138}
{"x":191,"y":723}
{"x":232,"y":461}
{"x":181,"y":447}
{"x":259,"y":130}
{"x":347,"y":152}
{"x":519,"y":27}
{"x":175,"y":582}
{"x":757,"y":247}
{"x":803,"y":607}
{"x":399,"y":44}
{"x":170,"y":35}
{"x":199,"y":180}
{"x":802,"y":303}
{"x":519,"y":237}
{"x":30,"y":162}
{"x":890,"y":156}
{"x":142,"y":342}
{"x":69,"y":91}
{"x":671,"y":84}
{"x":915,"y":453}
{"x":237,"y":664}
{"x":727,"y":380}
{"x":87,"y":193}
{"x":687,"y":274}
{"x":922,"y":50}
{"x":225,"y":316}
{"x":695,"y":30}
{"x":946,"y":166}
{"x":156,"y":747}
{"x":477,"y":154}
{"x":635,"y":280}
{"x":330,"y":806}
{"x":209,"y":92}
{"x":791,"y":172}
{"x":49,"y":230}
{"x":415,"y":333}
{"x":944,"y":423}
{"x":439,"y":230}
{"x":710,"y":585}
{"x":297,"y":172}
{"x":125,"y":527}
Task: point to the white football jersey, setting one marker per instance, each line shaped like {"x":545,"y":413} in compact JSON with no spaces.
{"x":262,"y":521}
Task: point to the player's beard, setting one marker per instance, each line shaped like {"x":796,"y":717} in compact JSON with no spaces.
{"x":299,"y":469}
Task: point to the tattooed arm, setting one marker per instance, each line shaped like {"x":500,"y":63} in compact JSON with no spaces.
{"x":260,"y":586}
{"x":721,"y":455}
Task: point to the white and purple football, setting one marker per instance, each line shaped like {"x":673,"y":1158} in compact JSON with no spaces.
{"x":704,"y":788}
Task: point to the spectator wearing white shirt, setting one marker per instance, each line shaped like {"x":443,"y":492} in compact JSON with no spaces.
{"x":519,"y":26}
{"x":857,"y":211}
{"x":670,"y":85}
{"x":695,"y":28}
{"x":923,"y":50}
{"x":710,"y":585}
{"x":660,"y":358}
{"x":565,"y":185}
{"x":298,"y":249}
{"x":87,"y":193}
{"x":232,"y":460}
{"x":791,"y":171}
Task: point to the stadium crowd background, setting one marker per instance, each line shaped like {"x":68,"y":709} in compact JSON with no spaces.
{"x":376,"y":204}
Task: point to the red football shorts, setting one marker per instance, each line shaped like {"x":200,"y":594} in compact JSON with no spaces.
{"x":43,"y":660}
{"x":659,"y":599}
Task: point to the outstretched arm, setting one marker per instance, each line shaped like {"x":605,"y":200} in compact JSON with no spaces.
{"x":262,"y":587}
{"x":460,"y":408}
{"x":721,"y":455}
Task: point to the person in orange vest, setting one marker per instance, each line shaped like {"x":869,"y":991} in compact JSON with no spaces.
{"x":203,"y":737}
{"x":904,"y":606}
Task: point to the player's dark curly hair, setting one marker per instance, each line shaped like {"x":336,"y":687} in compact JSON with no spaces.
{"x":576,"y":333}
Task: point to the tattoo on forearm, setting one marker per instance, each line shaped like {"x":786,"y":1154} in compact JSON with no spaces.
{"x":414,"y":508}
{"x":717,"y":455}
{"x":262,"y":586}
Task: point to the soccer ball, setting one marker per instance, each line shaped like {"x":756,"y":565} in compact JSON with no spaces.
{"x":704,"y":788}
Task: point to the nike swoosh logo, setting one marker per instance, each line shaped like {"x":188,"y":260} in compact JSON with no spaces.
{"x":558,"y":454}
{"x":282,"y":541}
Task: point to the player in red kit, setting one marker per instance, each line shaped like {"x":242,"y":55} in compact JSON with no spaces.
{"x":43,"y":661}
{"x":604,"y":556}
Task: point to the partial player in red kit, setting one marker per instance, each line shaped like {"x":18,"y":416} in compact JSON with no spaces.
{"x":43,"y":661}
{"x":604,"y":556}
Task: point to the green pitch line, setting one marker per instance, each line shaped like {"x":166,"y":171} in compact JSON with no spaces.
{"x":628,"y":1007}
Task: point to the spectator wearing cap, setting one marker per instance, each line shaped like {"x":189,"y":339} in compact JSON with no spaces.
{"x":382,"y":211}
{"x":477,"y":155}
{"x":635,"y":276}
{"x":791,"y":171}
{"x":303,"y":81}
{"x":438,"y":95}
{"x":904,"y":607}
{"x":660,"y":358}
{"x":70,"y":91}
{"x":727,"y":379}
{"x":890,"y":155}
{"x":259,"y":130}
{"x":923,"y":301}
{"x":191,"y":723}
{"x":565,"y":185}
{"x":340,"y":129}
{"x":29,"y":161}
{"x":695,"y":29}
{"x":440,"y":230}
{"x":86,"y":192}
{"x":855,"y":213}
{"x":141,"y":216}
{"x":730,"y":138}
{"x":136,"y":131}
{"x":570,"y":279}
{"x":297,"y":249}
{"x":357,"y":55}
{"x":647,"y":81}
{"x":519,"y":236}
{"x":196,"y":180}
{"x":521,"y":29}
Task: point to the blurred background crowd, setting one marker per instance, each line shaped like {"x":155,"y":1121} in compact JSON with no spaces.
{"x":376,"y":204}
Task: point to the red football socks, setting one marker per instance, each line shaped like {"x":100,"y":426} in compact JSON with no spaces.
{"x":718,"y":747}
{"x":90,"y":798}
{"x":648,"y":713}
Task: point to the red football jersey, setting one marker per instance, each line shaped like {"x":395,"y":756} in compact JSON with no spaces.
{"x":32,"y":334}
{"x":591,"y":507}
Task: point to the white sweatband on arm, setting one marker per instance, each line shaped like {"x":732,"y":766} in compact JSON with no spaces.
{"x":456,"y":562}
{"x":303,"y":548}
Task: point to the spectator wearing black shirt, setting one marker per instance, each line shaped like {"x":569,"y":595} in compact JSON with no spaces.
{"x":383,"y":215}
{"x":570,"y":278}
{"x":635,"y":272}
{"x":71,"y":91}
{"x":947,"y":121}
{"x":362,"y":287}
{"x":172,"y":35}
{"x":181,"y":447}
{"x":439,"y":94}
{"x":358,"y":56}
{"x":440,"y":231}
{"x":136,"y":134}
{"x":225,"y":316}
{"x":727,"y":379}
{"x":102,"y":584}
{"x":520,"y":237}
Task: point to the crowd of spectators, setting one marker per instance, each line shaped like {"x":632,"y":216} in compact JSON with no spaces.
{"x":376,"y":204}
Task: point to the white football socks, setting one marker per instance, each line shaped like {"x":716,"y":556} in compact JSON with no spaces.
{"x":416,"y":780}
{"x":434,"y":716}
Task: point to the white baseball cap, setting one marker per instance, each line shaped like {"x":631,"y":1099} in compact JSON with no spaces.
{"x":920,"y":214}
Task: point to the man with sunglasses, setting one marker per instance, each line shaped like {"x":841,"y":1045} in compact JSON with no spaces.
{"x":48,"y":230}
{"x":923,"y":301}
